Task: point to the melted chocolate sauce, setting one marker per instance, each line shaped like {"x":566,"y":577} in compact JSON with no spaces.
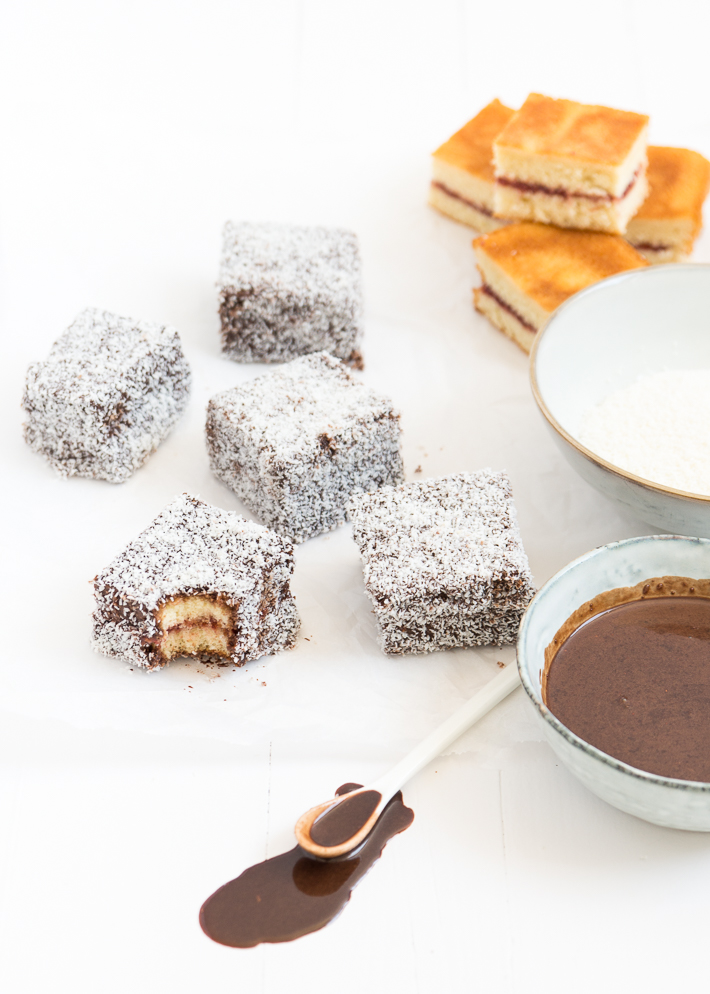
{"x":635,"y":682}
{"x":340,"y":823}
{"x":296,"y":893}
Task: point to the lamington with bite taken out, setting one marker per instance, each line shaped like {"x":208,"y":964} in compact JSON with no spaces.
{"x":287,"y":290}
{"x":670,"y":218}
{"x":197,"y":582}
{"x":106,"y":396}
{"x":571,"y":165}
{"x":297,"y":443}
{"x":443,"y":562}
{"x":528,"y":270}
{"x":462,"y":184}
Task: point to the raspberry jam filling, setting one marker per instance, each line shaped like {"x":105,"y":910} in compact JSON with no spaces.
{"x":457,"y":196}
{"x":506,"y":307}
{"x":560,"y":191}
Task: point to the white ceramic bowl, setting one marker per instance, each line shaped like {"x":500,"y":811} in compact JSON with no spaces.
{"x":601,"y":340}
{"x":662,"y":800}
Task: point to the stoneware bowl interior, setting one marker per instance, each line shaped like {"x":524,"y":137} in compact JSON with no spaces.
{"x":603,"y":339}
{"x":662,"y":800}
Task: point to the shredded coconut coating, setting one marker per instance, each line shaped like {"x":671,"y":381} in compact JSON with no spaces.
{"x":296,"y":444}
{"x":657,"y":428}
{"x":106,"y":396}
{"x":194,"y":548}
{"x":443,"y":562}
{"x":287,"y":290}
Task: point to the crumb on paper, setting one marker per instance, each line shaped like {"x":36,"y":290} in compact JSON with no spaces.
{"x":501,"y":664}
{"x":418,"y":469}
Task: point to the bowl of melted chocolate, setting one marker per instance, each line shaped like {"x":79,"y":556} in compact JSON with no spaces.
{"x":614,"y":654}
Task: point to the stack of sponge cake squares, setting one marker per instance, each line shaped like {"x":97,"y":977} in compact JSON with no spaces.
{"x":553,"y":188}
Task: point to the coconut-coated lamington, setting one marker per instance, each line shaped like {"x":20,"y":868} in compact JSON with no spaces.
{"x":296,"y":444}
{"x":107,"y":395}
{"x":287,"y":290}
{"x":443,"y":562}
{"x":199,"y":581}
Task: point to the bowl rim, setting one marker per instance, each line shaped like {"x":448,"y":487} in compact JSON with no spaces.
{"x":696,"y":786}
{"x":554,"y":423}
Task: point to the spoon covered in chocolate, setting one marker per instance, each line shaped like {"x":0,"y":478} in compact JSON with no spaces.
{"x":340,"y":824}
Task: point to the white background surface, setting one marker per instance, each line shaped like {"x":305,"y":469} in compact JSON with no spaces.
{"x":130,"y":132}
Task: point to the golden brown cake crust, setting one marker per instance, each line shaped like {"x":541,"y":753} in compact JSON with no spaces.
{"x":565,"y":129}
{"x":550,"y":264}
{"x":679,"y":181}
{"x":471,"y":148}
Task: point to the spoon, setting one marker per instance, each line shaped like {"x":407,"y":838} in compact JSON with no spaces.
{"x":342,"y":823}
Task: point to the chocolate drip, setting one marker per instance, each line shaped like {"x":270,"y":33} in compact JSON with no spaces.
{"x":296,"y":893}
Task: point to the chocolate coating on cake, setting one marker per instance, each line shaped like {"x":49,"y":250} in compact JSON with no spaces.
{"x":287,"y":290}
{"x":107,"y":395}
{"x":197,"y":565}
{"x":297,"y":443}
{"x":443,"y":562}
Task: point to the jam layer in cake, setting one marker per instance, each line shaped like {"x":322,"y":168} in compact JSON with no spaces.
{"x":670,"y":219}
{"x":528,"y":270}
{"x":462,"y":184}
{"x":571,"y":165}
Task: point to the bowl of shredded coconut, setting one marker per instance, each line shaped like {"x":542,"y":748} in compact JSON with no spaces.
{"x":621,"y":373}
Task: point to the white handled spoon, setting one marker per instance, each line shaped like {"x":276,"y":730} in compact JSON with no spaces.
{"x":342,"y":823}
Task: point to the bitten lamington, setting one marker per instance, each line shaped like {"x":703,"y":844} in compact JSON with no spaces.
{"x":288,"y":290}
{"x":443,"y":562}
{"x":199,"y":582}
{"x":297,"y":443}
{"x":106,"y":396}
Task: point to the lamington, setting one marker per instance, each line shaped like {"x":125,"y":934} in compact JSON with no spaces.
{"x":443,"y":562}
{"x":571,"y":165}
{"x":669,"y":220}
{"x":297,"y":443}
{"x":106,"y":396}
{"x":462,"y":184}
{"x":528,"y":270}
{"x":201,"y":582}
{"x":287,"y":290}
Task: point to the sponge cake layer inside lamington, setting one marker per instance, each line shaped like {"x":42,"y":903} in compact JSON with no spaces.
{"x":528,"y":270}
{"x":462,"y":184}
{"x":571,"y":164}
{"x":669,"y":220}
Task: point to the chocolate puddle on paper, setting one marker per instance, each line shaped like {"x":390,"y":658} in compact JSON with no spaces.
{"x":296,"y":893}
